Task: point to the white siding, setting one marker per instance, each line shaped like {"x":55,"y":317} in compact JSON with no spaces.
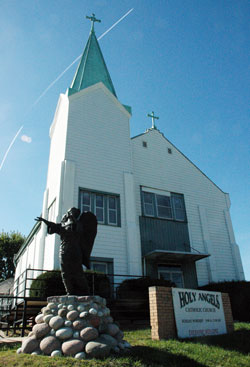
{"x":58,"y":133}
{"x":156,"y":168}
{"x":98,"y":142}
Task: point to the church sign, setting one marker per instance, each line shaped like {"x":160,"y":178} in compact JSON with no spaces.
{"x":198,"y":313}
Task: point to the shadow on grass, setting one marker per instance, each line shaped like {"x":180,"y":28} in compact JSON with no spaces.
{"x":150,"y":356}
{"x":237,"y":341}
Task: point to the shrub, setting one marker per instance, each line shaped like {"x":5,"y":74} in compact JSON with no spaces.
{"x":50,"y":284}
{"x":239,"y":294}
{"x":47,"y":284}
{"x":138,"y":288}
{"x":99,"y":283}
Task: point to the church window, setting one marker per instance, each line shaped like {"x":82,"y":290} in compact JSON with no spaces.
{"x":104,"y":265}
{"x":105,"y":206}
{"x":144,"y":144}
{"x":85,"y":202}
{"x":178,"y":206}
{"x":163,"y":205}
{"x":112,"y":210}
{"x":169,"y":206}
{"x":99,"y":266}
{"x":172,"y":273}
{"x":99,"y":208}
{"x":148,"y":204}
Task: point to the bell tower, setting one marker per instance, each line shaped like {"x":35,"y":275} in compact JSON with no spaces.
{"x":90,"y":165}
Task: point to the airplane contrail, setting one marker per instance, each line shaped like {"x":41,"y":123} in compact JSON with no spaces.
{"x":54,"y":82}
{"x":51,"y":85}
{"x":118,"y":21}
{"x":12,"y":142}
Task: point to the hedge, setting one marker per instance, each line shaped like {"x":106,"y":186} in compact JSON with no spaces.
{"x":50,"y":284}
{"x":239,"y":294}
{"x":138,"y":287}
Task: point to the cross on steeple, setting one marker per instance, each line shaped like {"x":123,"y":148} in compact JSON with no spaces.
{"x":152,"y":115}
{"x":93,"y":20}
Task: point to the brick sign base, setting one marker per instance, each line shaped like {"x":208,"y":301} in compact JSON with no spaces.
{"x":162,"y":319}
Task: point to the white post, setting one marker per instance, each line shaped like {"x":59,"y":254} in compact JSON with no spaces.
{"x":239,"y":272}
{"x":43,"y":230}
{"x":212,"y":271}
{"x":133,"y":232}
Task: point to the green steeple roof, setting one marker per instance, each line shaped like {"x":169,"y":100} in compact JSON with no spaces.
{"x":92,"y":68}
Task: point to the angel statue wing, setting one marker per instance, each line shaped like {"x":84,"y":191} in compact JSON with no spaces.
{"x":88,"y":230}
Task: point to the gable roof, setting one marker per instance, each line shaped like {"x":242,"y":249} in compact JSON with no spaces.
{"x":159,"y":132}
{"x":92,"y":68}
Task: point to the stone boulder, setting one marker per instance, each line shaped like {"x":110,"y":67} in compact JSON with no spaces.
{"x":50,"y":344}
{"x":89,"y":333}
{"x":39,"y":318}
{"x":112,"y":329}
{"x":29,"y":345}
{"x":41,"y":330}
{"x":72,"y":347}
{"x":56,"y":322}
{"x":72,"y":315}
{"x":64,"y":333}
{"x":107,"y":339}
{"x":97,"y":350}
{"x":95,"y":321}
{"x":79,"y":324}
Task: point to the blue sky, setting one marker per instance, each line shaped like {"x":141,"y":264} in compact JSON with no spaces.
{"x":187,"y":60}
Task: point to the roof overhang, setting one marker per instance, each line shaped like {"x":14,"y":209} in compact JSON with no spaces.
{"x":175,"y":256}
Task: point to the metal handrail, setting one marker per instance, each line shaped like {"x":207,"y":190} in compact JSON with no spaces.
{"x":23,"y":291}
{"x":22,"y":288}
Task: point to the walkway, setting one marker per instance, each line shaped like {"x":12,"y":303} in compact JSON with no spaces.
{"x":9,"y":340}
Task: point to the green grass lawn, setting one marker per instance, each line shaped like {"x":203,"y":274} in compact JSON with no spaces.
{"x":218,"y":351}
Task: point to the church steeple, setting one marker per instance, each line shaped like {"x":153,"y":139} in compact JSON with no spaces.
{"x":92,"y":68}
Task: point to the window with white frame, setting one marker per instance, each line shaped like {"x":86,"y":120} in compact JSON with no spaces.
{"x":112,"y":210}
{"x":164,"y":206}
{"x":99,"y":266}
{"x":99,"y":207}
{"x":105,"y":206}
{"x":148,"y":204}
{"x":102,"y":264}
{"x":172,"y":273}
{"x":85,"y":202}
{"x":179,"y":207}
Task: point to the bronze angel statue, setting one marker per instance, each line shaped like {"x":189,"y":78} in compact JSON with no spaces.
{"x":77,"y":232}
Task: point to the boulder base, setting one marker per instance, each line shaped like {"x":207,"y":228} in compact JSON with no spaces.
{"x":80,"y":327}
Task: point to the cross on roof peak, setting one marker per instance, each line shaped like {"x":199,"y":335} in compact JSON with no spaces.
{"x":93,"y":20}
{"x":152,"y":115}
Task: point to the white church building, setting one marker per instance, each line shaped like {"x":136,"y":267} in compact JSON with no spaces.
{"x":158,"y":214}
